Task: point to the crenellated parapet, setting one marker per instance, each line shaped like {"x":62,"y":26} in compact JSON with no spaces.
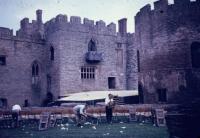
{"x":32,"y":30}
{"x":6,"y":32}
{"x":75,"y":24}
{"x":165,"y":19}
{"x":88,"y":22}
{"x":163,"y":6}
{"x":179,"y":9}
{"x":75,"y":20}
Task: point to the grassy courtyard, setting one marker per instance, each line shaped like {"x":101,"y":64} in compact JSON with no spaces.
{"x":116,"y":130}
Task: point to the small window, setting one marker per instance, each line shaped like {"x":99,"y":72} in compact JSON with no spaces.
{"x":3,"y":103}
{"x":138,"y":60}
{"x":3,"y":60}
{"x":52,"y":53}
{"x":92,"y":46}
{"x":35,"y":73}
{"x":195,"y":54}
{"x":162,"y":95}
{"x":119,"y":45}
{"x":88,"y":72}
{"x":26,"y":103}
{"x":111,"y":83}
{"x":48,"y":83}
{"x":35,"y":69}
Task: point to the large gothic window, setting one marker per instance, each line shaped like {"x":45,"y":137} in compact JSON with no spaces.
{"x":35,"y":72}
{"x":92,"y":46}
{"x":52,"y":53}
{"x":195,"y":54}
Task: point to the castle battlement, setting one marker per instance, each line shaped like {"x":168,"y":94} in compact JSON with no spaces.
{"x":60,"y":18}
{"x":75,"y":20}
{"x":89,"y":22}
{"x":163,"y":4}
{"x":181,"y":2}
{"x":60,"y":22}
{"x":31,"y":30}
{"x":24,"y":23}
{"x":167,"y":17}
{"x":145,"y":9}
{"x":6,"y":32}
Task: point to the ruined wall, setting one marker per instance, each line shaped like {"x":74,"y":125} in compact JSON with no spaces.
{"x":164,"y":37}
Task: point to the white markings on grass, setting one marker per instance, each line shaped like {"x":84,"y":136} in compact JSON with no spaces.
{"x":106,"y":134}
{"x":88,"y":123}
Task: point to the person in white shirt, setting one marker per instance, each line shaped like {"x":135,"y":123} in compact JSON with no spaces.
{"x":109,"y":102}
{"x":79,"y":111}
{"x":15,"y":114}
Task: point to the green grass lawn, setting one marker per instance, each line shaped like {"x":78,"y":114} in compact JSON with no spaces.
{"x":118,"y":130}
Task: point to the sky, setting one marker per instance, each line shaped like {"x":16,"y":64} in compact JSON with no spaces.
{"x":12,"y":11}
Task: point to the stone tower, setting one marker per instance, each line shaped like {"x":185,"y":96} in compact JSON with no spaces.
{"x":168,"y":42}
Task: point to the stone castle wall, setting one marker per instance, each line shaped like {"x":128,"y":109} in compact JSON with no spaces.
{"x":70,"y":40}
{"x":16,"y":75}
{"x":157,"y":56}
{"x":164,"y":36}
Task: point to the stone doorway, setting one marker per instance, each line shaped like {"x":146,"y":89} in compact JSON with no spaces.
{"x":111,"y":82}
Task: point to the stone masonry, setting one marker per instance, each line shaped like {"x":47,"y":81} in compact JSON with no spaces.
{"x":51,"y":57}
{"x":164,"y":37}
{"x":67,"y":55}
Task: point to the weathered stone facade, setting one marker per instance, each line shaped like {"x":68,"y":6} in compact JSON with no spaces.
{"x":164,"y":37}
{"x":64,"y":55}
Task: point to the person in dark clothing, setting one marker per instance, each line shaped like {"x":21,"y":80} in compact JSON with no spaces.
{"x":109,"y":102}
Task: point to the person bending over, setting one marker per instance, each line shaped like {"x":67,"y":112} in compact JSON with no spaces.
{"x":80,"y":113}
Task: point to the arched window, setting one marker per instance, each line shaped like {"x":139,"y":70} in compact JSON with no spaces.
{"x":35,"y":69}
{"x":35,"y":73}
{"x":52,"y":53}
{"x":92,"y":46}
{"x":195,"y":54}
